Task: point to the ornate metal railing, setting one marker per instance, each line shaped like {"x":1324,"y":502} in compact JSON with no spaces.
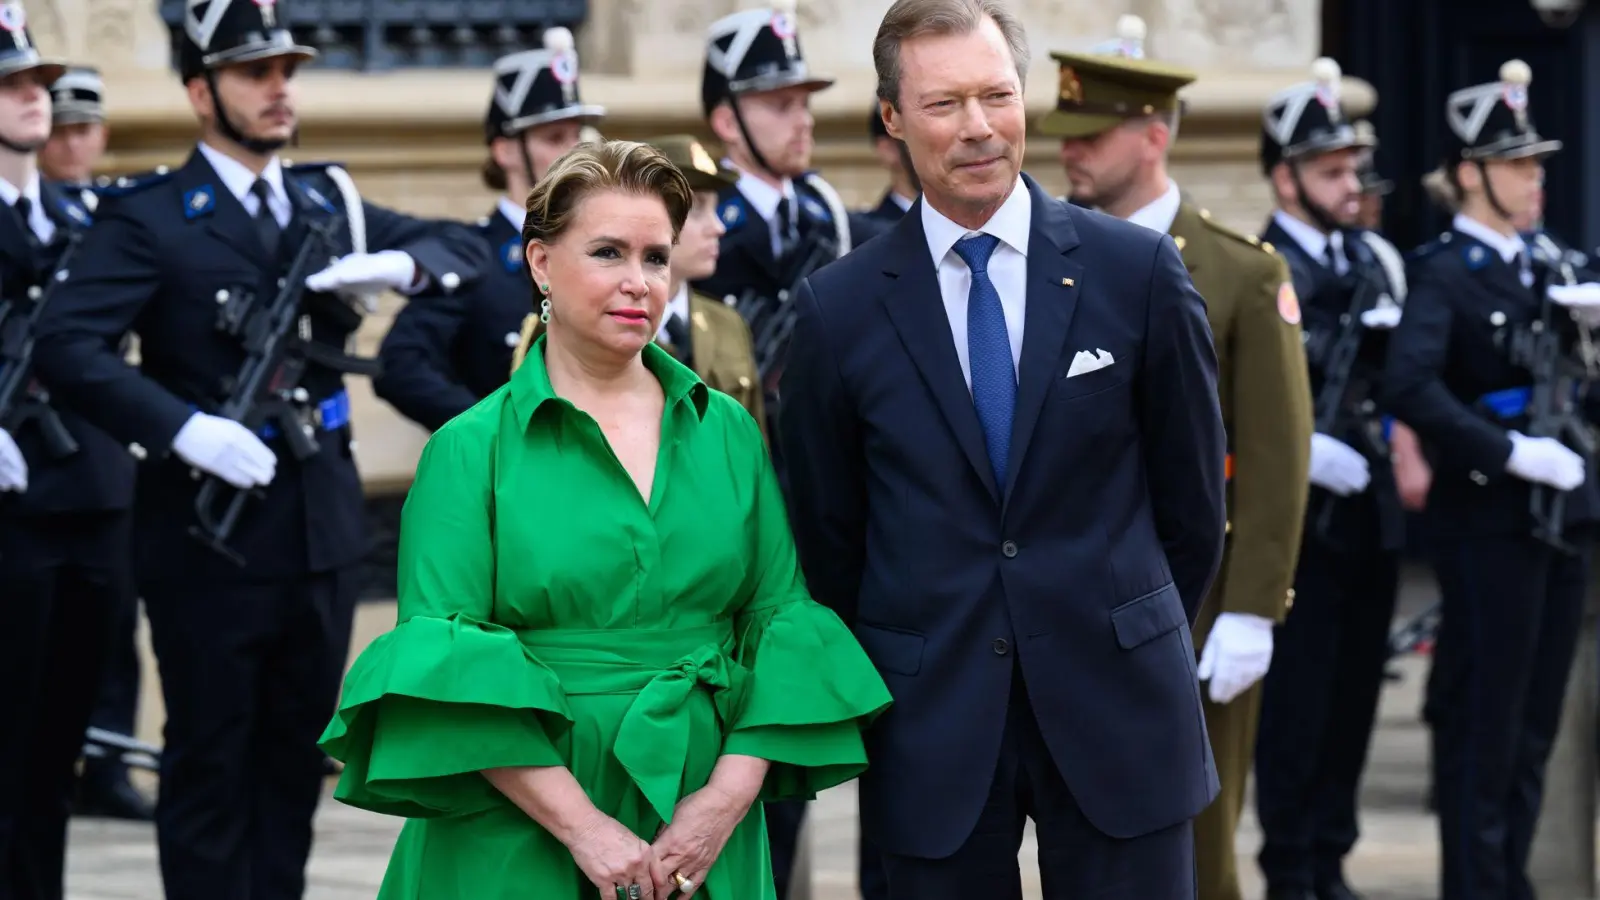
{"x":374,"y":35}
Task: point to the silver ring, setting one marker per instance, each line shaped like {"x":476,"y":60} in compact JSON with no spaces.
{"x":635,"y":892}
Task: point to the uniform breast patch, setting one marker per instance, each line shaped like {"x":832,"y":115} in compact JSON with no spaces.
{"x":511,"y":254}
{"x":1288,"y":303}
{"x":732,"y":213}
{"x":199,"y":201}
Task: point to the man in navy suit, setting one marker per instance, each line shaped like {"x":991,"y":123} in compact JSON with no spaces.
{"x":1007,"y":466}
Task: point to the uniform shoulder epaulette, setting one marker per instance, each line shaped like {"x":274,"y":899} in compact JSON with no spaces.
{"x":1440,"y":243}
{"x":1249,"y":240}
{"x":124,"y":185}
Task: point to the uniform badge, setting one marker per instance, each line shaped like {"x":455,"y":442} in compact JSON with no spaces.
{"x":199,"y":201}
{"x":732,"y":213}
{"x":815,"y":209}
{"x":14,"y":20}
{"x":700,"y":159}
{"x":1288,"y":303}
{"x":511,"y":254}
{"x":1476,"y":257}
{"x":1071,"y":87}
{"x":75,"y":212}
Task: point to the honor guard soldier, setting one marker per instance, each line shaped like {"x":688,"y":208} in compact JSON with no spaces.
{"x":1490,"y":366}
{"x":1320,"y":695}
{"x":903,"y":187}
{"x":445,"y":353}
{"x":783,"y":221}
{"x":701,"y":332}
{"x":65,"y":499}
{"x":244,"y":278}
{"x":78,"y":138}
{"x":1116,"y":115}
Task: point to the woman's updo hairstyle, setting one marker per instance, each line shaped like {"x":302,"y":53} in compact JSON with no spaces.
{"x":626,"y":166}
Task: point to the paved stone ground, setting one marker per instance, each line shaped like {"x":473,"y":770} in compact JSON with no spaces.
{"x":1396,"y":860}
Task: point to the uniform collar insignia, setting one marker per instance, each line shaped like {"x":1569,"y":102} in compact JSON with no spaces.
{"x":199,"y":201}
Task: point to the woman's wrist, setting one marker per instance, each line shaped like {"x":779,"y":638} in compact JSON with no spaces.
{"x":739,"y":777}
{"x":551,"y":796}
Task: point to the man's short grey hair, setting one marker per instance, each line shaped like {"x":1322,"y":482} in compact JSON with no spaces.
{"x":913,"y":18}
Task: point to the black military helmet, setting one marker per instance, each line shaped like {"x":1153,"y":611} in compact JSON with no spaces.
{"x":1491,"y":121}
{"x":78,"y":96}
{"x":755,"y":50}
{"x":1307,"y":119}
{"x":17,"y":50}
{"x":219,"y":33}
{"x":532,"y":87}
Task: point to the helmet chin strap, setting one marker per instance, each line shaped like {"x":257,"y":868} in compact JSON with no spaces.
{"x":749,"y":142}
{"x":258,"y":146}
{"x":1488,"y":191}
{"x":21,"y":149}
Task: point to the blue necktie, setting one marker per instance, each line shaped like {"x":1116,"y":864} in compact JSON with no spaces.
{"x":994,"y":379}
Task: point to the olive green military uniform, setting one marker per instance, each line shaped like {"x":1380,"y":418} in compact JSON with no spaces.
{"x":1266,"y":408}
{"x":720,"y":350}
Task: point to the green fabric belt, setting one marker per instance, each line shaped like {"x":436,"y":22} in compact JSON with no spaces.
{"x":664,"y":668}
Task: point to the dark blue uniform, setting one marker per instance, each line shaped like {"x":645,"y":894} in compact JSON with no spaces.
{"x":446,"y":351}
{"x":251,"y":656}
{"x":1511,"y":603}
{"x":1320,"y":696}
{"x":63,"y":567}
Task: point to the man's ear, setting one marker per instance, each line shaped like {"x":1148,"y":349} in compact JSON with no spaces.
{"x":891,"y":120}
{"x":723,"y":124}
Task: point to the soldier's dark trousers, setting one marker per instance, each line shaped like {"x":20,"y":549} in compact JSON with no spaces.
{"x":60,"y":576}
{"x":250,"y":673}
{"x":1318,"y":704}
{"x":1507,"y":635}
{"x":784,"y":820}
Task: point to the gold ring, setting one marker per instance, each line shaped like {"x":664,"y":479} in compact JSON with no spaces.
{"x":683,"y":883}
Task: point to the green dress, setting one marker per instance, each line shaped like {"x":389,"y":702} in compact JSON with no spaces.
{"x":549,"y":616}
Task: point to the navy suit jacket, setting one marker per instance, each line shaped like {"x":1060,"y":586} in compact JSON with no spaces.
{"x":1089,"y":567}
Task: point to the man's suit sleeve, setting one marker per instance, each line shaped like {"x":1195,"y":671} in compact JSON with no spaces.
{"x":1271,"y":437}
{"x":822,"y":448}
{"x":1184,"y":442}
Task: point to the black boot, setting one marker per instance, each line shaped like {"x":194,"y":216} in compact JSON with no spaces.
{"x":104,"y":791}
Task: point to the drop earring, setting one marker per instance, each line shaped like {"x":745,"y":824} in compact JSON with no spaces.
{"x":544,"y":305}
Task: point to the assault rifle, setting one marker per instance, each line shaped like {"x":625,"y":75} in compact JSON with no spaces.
{"x":772,"y":318}
{"x":267,"y":390}
{"x":1546,"y":348}
{"x":19,"y":405}
{"x":1345,"y":404}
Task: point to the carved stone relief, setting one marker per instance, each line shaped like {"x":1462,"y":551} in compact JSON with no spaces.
{"x":108,"y":34}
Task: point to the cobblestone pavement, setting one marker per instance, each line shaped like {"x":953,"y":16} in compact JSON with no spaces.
{"x":1396,"y":860}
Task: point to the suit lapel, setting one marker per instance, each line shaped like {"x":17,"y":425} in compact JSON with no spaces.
{"x":206,"y":196}
{"x":916,"y":307}
{"x":1053,"y":284}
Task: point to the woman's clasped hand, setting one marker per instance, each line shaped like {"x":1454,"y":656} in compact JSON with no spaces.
{"x":614,"y":858}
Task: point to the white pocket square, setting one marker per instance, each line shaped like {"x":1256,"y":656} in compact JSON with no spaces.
{"x":1085,"y":362}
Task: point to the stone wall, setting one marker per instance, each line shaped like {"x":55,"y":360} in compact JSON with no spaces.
{"x":413,"y":139}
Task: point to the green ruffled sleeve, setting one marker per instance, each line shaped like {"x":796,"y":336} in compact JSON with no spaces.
{"x":447,"y":693}
{"x":812,"y":688}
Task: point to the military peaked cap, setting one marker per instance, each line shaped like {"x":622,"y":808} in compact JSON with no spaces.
{"x":1111,"y":83}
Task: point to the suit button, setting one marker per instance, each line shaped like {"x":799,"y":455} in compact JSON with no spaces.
{"x":1001,"y":648}
{"x":1009,"y":548}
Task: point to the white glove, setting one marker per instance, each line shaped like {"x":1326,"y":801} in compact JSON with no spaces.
{"x":1381,"y":318}
{"x":366,"y":273}
{"x":1582,"y":299}
{"x":1237,"y":654}
{"x":13,"y":468}
{"x":225,"y":449}
{"x":1337,"y":467}
{"x":1544,"y":460}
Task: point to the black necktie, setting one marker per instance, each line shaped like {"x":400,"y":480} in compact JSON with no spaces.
{"x":24,"y":208}
{"x":787,"y":233}
{"x":266,"y":222}
{"x":678,"y":336}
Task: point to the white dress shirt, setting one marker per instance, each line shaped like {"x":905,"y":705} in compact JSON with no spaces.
{"x":1158,"y":214}
{"x":38,"y":220}
{"x":1008,"y":268}
{"x":1511,"y":247}
{"x":677,"y":306}
{"x":514,"y":214}
{"x":1314,"y":241}
{"x":902,"y":201}
{"x":238,"y":179}
{"x":764,"y":199}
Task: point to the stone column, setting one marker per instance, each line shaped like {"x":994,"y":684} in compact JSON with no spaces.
{"x":1563,"y":859}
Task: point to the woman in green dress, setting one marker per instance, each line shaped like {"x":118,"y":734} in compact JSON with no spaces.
{"x":605,"y":652}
